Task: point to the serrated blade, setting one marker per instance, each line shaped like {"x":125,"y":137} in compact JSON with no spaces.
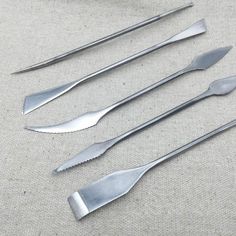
{"x":87,"y":154}
{"x":82,"y":122}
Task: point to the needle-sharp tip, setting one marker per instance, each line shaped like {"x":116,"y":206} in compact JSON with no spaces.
{"x":14,"y":73}
{"x":20,"y":71}
{"x":29,"y":68}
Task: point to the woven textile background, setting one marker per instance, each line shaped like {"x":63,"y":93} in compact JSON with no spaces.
{"x":194,"y":194}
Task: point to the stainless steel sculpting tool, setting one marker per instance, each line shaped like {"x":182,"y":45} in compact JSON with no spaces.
{"x":37,"y":100}
{"x":217,"y":88}
{"x":201,"y":62}
{"x":117,"y":184}
{"x":65,"y":55}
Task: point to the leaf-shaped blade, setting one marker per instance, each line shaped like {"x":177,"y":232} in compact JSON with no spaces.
{"x":223,"y":86}
{"x":208,"y":59}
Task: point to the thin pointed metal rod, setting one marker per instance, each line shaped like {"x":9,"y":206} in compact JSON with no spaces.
{"x":34,"y":101}
{"x":129,"y":29}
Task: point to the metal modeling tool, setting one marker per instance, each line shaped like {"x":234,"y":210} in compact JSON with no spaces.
{"x":117,"y":184}
{"x":37,"y":100}
{"x":201,"y":62}
{"x":217,"y":88}
{"x":65,"y":55}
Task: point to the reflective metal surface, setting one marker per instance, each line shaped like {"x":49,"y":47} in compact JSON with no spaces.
{"x":119,"y":183}
{"x":65,"y":55}
{"x":201,"y":62}
{"x":218,"y":88}
{"x":37,"y":100}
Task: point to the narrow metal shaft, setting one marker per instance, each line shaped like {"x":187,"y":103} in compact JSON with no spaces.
{"x":65,"y":55}
{"x":193,"y":143}
{"x":163,"y":116}
{"x":149,"y":88}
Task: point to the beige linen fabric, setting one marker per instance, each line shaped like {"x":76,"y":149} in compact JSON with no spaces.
{"x":194,"y":194}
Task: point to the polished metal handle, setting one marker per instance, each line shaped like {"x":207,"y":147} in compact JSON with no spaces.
{"x":163,"y":116}
{"x":191,"y":144}
{"x":149,"y":88}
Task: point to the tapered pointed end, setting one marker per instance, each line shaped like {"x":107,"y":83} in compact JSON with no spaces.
{"x":29,"y":128}
{"x":210,"y":58}
{"x":53,"y":129}
{"x":58,"y":170}
{"x":55,"y":172}
{"x":35,"y":129}
{"x":15,"y":73}
{"x":27,"y":69}
{"x":82,"y":122}
{"x":33,"y":67}
{"x":227,"y":49}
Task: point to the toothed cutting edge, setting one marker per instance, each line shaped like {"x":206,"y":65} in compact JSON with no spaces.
{"x":217,"y":88}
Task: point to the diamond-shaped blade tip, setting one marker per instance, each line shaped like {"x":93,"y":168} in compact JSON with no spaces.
{"x":208,"y":59}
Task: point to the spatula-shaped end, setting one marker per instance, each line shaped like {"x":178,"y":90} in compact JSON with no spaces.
{"x":197,"y":28}
{"x":78,"y":206}
{"x":34,"y":101}
{"x":104,"y":191}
